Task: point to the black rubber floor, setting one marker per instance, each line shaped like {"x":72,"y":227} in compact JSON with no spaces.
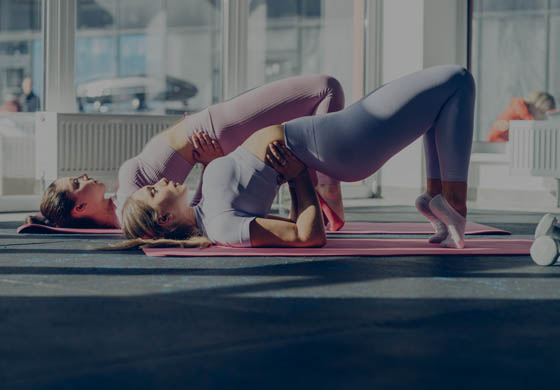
{"x":76,"y":319}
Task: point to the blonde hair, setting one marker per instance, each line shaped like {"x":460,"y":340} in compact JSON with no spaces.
{"x":141,"y":243}
{"x":542,"y":101}
{"x":140,"y":225}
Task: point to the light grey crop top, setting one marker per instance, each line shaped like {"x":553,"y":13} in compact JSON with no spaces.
{"x":237,"y":188}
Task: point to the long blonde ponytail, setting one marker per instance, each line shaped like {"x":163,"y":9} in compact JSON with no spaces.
{"x":141,"y":243}
{"x":140,"y":221}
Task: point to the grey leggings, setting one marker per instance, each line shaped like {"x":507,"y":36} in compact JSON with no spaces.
{"x":352,"y":144}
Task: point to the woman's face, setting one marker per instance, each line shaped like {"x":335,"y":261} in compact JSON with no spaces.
{"x":83,"y":189}
{"x":164,"y":196}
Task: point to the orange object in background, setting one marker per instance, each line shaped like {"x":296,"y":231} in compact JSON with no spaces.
{"x":10,"y":106}
{"x":516,"y":110}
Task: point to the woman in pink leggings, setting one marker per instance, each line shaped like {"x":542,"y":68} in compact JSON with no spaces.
{"x":202,"y":137}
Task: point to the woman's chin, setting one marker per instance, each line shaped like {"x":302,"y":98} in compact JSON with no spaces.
{"x":185,"y":192}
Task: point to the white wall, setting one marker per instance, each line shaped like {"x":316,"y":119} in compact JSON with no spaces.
{"x":402,"y":54}
{"x":338,"y":59}
{"x":421,"y":33}
{"x":418,"y":34}
{"x":445,"y":32}
{"x":402,"y":37}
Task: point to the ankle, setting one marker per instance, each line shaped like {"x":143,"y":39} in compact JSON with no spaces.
{"x":330,"y":191}
{"x":433,"y":187}
{"x":433,"y":193}
{"x":460,"y":208}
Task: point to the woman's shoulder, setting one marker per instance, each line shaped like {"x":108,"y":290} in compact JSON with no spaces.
{"x":221,"y":170}
{"x":229,"y":228}
{"x":518,"y":105}
{"x":128,"y":169}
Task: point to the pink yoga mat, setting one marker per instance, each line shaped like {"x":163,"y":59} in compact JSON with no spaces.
{"x":349,"y":228}
{"x":362,"y":247}
{"x":43,"y":229}
{"x":409,"y":228}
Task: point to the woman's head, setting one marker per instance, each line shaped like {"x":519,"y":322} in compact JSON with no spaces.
{"x":539,"y":103}
{"x":158,"y":211}
{"x":73,"y":201}
{"x":156,"y":216}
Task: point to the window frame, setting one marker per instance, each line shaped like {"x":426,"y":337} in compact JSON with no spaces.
{"x":58,"y":32}
{"x":59,"y":37}
{"x":481,"y":146}
{"x":59,"y":40}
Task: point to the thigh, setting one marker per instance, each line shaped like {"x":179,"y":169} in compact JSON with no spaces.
{"x":353,"y":143}
{"x":271,"y":104}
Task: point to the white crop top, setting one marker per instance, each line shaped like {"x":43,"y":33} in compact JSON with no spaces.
{"x":236,"y":189}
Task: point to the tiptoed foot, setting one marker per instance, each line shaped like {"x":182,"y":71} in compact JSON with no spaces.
{"x":330,"y":198}
{"x":423,"y":206}
{"x":454,"y":222}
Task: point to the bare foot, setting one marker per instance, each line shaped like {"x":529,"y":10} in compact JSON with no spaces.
{"x":331,"y":194}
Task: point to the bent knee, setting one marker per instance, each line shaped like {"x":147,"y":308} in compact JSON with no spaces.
{"x":316,"y":242}
{"x":334,"y":89}
{"x":462,"y":78}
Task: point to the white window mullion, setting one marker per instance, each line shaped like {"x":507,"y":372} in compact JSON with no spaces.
{"x":59,"y":32}
{"x":373,"y":65}
{"x":236,"y":20}
{"x":358,"y":41}
{"x":373,"y":45}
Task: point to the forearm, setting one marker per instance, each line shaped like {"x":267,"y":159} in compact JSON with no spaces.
{"x":309,"y":219}
{"x":279,"y":218}
{"x":293,"y":205}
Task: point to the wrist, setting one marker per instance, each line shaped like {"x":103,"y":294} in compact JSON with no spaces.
{"x":300,"y":176}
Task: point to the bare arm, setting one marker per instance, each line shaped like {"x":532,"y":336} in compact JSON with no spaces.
{"x":279,"y":218}
{"x":293,"y":205}
{"x":205,"y":151}
{"x":308,"y":229}
{"x":501,"y":125}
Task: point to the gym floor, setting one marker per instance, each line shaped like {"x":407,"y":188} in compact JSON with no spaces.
{"x":77,"y":319}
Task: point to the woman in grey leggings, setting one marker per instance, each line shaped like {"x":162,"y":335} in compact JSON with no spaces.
{"x":348,"y":145}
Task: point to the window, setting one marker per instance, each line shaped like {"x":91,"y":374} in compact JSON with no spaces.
{"x":150,"y":56}
{"x":21,"y":86}
{"x":515,"y":50}
{"x":288,"y":38}
{"x":21,"y":55}
{"x":163,"y":57}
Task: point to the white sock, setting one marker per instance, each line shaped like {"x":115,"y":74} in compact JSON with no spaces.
{"x":423,"y":206}
{"x":454,"y":222}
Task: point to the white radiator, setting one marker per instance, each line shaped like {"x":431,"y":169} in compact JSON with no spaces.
{"x":18,"y":156}
{"x":17,"y":164}
{"x":17,"y":153}
{"x":71,"y":144}
{"x":534,"y":148}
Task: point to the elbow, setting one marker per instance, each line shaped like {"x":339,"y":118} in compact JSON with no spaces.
{"x":336,"y":93}
{"x":319,"y":242}
{"x":313,"y":240}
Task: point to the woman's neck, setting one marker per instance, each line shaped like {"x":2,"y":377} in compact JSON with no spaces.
{"x":107,"y":215}
{"x":189,"y":216}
